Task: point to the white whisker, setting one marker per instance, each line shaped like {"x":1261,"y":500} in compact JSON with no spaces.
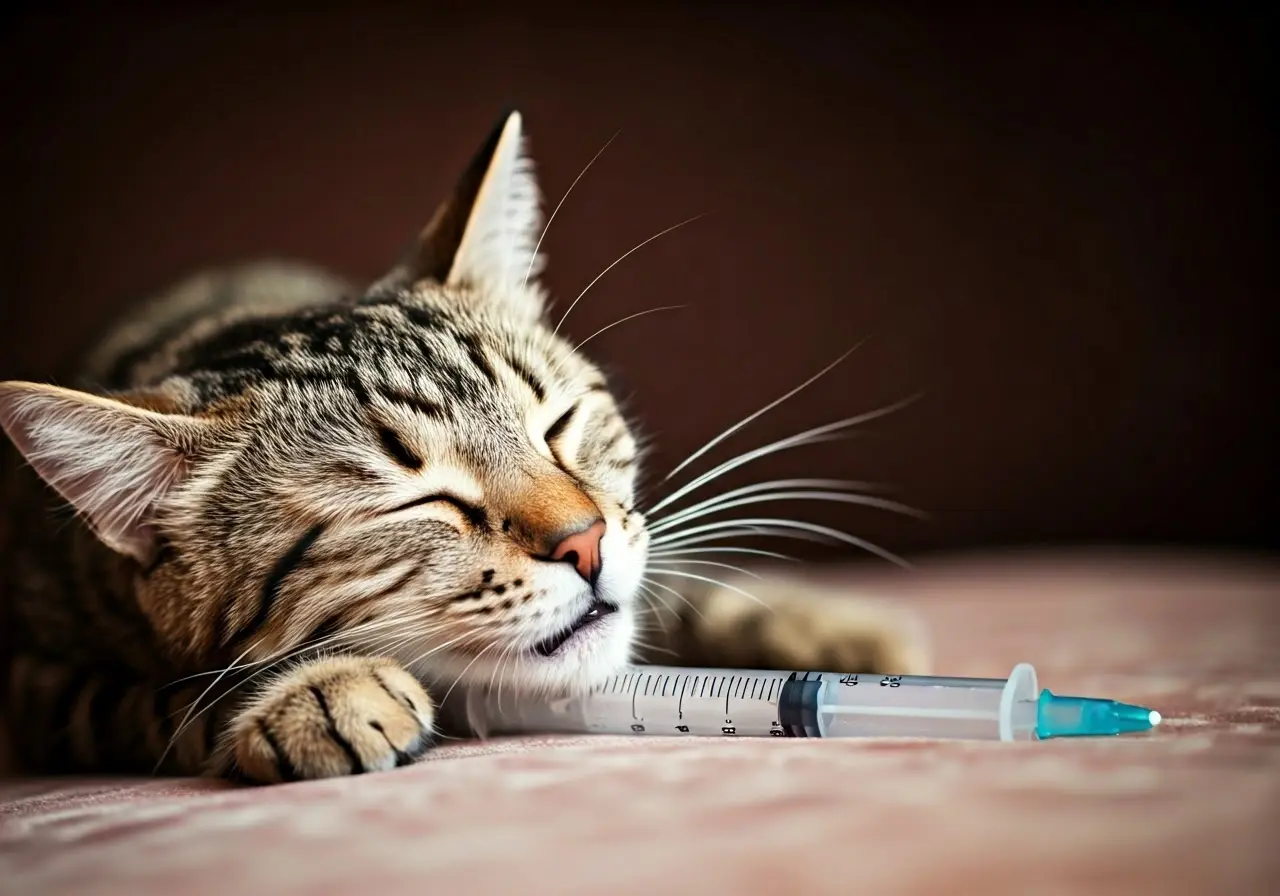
{"x":804,"y":438}
{"x":445,"y":698}
{"x":738,"y":569}
{"x":659,"y":555}
{"x":317,"y":644}
{"x":547,"y":226}
{"x":657,"y":614}
{"x":838,"y":497}
{"x":437,"y":648}
{"x":764,"y":410}
{"x":680,"y":597}
{"x":725,"y":585}
{"x":646,"y":647}
{"x":680,"y":541}
{"x":837,"y":484}
{"x":620,"y":258}
{"x":664,"y":521}
{"x":831,"y":432}
{"x":579,"y":346}
{"x":520,"y":658}
{"x":800,"y":525}
{"x":187,"y":719}
{"x":498,"y":670}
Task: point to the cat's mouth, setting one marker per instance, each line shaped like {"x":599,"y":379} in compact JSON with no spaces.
{"x":597,"y":611}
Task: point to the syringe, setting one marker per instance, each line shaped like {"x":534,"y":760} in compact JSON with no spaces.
{"x":662,"y":700}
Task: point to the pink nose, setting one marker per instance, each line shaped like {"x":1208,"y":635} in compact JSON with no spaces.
{"x":582,"y":549}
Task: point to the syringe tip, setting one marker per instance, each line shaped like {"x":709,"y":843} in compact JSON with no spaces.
{"x":1076,"y":716}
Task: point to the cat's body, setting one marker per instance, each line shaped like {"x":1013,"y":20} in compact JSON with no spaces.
{"x":386,"y":489}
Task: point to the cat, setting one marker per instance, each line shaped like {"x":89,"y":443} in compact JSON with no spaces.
{"x":297,"y":512}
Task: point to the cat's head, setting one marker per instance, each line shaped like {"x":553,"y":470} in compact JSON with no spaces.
{"x":425,"y":471}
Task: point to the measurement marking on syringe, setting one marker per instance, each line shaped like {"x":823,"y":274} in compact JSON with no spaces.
{"x":684,"y":682}
{"x":702,"y":690}
{"x":728,"y":692}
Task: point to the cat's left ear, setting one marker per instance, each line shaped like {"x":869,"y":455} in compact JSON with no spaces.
{"x":114,"y":459}
{"x":484,"y":236}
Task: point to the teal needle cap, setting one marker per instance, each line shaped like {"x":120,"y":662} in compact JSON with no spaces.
{"x":1089,"y":717}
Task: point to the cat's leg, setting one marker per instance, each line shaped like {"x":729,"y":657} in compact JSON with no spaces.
{"x":334,"y":716}
{"x":84,"y":718}
{"x":780,"y":624}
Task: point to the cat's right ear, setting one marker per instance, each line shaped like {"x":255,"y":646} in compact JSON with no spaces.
{"x":112,"y":460}
{"x":485,"y":236}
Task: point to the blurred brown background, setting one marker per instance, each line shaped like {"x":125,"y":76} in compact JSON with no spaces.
{"x":1055,"y":224}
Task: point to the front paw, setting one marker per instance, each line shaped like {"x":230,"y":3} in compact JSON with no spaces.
{"x":336,"y":716}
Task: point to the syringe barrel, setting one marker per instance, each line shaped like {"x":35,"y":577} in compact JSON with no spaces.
{"x":927,"y":706}
{"x":657,"y":700}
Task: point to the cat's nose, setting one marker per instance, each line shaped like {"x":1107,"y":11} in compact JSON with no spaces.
{"x":582,"y":549}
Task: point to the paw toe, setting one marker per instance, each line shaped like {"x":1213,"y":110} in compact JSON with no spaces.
{"x":342,"y":717}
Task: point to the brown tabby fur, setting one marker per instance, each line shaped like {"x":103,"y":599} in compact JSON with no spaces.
{"x":387,"y":490}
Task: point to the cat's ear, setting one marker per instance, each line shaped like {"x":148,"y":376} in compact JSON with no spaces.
{"x":114,"y":461}
{"x":485,"y":235}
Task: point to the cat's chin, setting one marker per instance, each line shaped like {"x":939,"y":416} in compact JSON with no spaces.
{"x":586,"y":659}
{"x":583,"y":660}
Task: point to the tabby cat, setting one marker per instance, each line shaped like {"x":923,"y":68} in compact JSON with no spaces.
{"x":301,"y":512}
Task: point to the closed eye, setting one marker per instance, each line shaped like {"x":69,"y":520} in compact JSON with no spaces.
{"x":475,"y":515}
{"x":555,"y":430}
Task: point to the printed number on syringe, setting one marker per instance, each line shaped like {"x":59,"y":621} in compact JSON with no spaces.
{"x":889,"y":681}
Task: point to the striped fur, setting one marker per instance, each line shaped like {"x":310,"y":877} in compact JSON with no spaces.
{"x":286,"y":515}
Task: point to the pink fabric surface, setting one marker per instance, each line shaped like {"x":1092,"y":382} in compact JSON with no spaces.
{"x":1191,"y":808}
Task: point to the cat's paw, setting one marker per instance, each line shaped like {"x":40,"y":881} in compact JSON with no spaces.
{"x":806,"y":627}
{"x":335,"y":716}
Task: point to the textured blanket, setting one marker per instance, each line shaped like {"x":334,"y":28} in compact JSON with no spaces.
{"x":1193,"y":807}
